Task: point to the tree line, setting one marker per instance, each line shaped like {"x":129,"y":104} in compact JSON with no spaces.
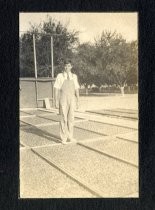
{"x":111,"y":60}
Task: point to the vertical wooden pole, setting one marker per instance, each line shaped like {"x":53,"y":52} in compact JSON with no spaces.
{"x":35,"y":68}
{"x":52,"y":57}
{"x":52,"y":69}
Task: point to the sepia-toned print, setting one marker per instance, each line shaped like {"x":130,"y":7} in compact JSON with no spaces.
{"x":78,"y":105}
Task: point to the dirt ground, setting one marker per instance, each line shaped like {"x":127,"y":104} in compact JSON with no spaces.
{"x":129,"y":101}
{"x":100,"y":164}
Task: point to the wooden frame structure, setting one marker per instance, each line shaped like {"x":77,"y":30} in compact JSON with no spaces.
{"x":35,"y":64}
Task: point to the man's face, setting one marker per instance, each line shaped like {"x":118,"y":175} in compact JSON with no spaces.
{"x":68,"y":67}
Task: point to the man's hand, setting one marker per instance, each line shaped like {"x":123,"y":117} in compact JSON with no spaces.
{"x":77,"y":98}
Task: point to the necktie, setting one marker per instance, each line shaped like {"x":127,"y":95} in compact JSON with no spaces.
{"x":68,"y":76}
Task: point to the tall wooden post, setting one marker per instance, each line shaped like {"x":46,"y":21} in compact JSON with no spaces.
{"x":35,"y":68}
{"x":52,"y":57}
{"x":52,"y":69}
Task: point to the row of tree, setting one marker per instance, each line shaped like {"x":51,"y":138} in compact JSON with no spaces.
{"x":111,"y":60}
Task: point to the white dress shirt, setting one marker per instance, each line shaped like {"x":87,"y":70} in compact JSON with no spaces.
{"x":63,"y":76}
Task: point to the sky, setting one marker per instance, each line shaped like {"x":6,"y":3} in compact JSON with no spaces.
{"x":90,"y":25}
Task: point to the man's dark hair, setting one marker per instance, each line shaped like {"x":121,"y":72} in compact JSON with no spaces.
{"x":67,"y":62}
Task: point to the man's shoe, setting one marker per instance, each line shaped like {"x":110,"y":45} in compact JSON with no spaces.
{"x":64,"y":142}
{"x":72,"y":140}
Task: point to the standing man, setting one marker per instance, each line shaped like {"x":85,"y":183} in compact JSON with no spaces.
{"x":66,"y":91}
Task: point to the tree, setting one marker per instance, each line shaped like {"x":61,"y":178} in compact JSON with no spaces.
{"x":26,"y":56}
{"x":84,"y":64}
{"x":133,"y":65}
{"x":64,"y":44}
{"x":115,"y":59}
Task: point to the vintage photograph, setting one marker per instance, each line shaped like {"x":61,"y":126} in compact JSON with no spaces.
{"x":78,"y":91}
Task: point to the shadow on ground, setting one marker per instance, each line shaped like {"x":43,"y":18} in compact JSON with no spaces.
{"x":39,"y":132}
